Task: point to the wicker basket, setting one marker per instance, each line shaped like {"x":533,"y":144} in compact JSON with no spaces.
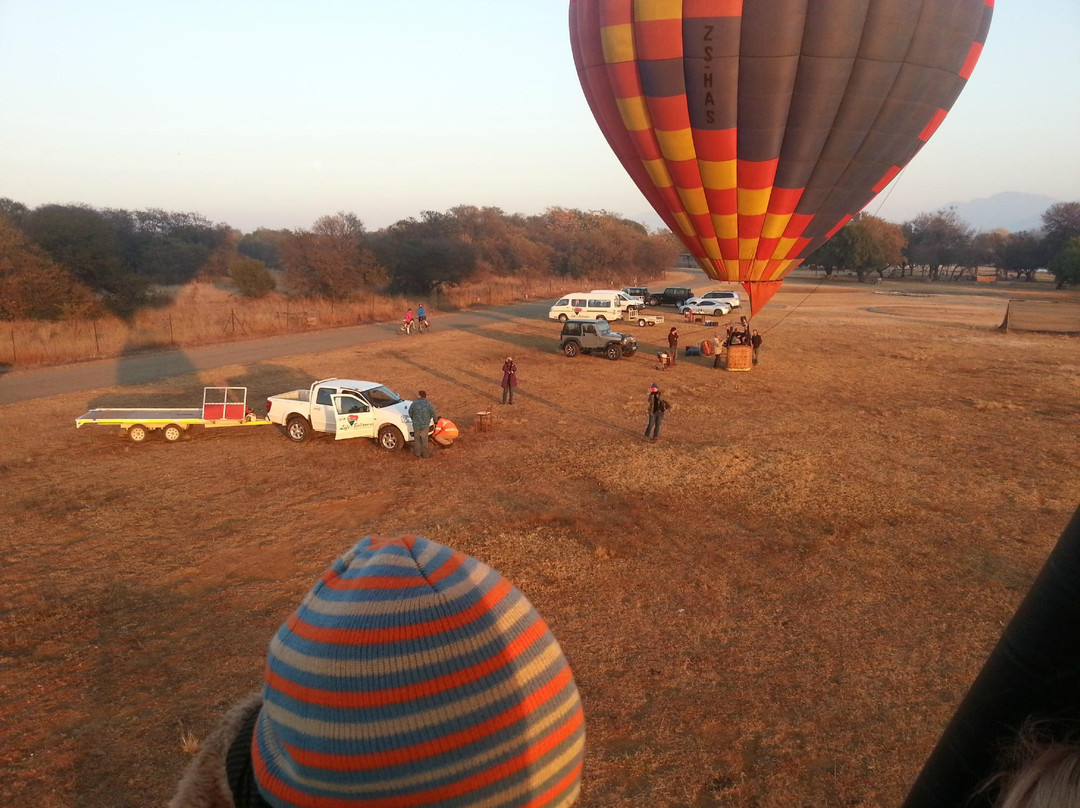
{"x":740,"y":357}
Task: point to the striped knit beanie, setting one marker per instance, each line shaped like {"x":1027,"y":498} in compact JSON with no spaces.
{"x":413,"y":675}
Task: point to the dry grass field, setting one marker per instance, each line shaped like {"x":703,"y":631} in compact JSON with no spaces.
{"x":779,"y":603}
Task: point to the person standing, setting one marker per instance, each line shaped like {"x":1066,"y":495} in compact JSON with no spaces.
{"x":656,"y":413}
{"x":423,"y":415}
{"x":673,"y":343}
{"x":509,"y":380}
{"x":719,"y":346}
{"x":755,"y":341}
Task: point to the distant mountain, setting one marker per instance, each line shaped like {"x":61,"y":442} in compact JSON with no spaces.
{"x":1009,"y":210}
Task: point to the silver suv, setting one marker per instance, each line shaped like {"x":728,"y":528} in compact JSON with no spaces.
{"x":726,"y":296}
{"x":586,"y":336}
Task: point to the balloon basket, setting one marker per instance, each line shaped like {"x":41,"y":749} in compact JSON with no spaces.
{"x":740,"y":357}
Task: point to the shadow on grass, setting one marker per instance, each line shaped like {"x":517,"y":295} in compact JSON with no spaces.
{"x":490,"y":385}
{"x":261,"y":380}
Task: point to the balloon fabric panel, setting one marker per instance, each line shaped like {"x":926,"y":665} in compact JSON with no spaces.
{"x":758,"y":128}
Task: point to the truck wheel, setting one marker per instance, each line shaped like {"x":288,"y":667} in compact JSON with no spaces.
{"x":172,"y":433}
{"x":653,"y":301}
{"x":642,"y":322}
{"x":390,"y":438}
{"x":563,"y":318}
{"x":138,"y":433}
{"x":613,"y":352}
{"x":298,"y":429}
{"x":570,"y":349}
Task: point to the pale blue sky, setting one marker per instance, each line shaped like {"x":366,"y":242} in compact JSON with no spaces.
{"x":275,"y":113}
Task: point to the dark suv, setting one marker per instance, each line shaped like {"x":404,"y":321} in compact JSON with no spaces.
{"x":672,"y":296}
{"x":586,"y":336}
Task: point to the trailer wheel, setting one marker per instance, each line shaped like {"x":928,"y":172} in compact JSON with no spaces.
{"x":390,"y":438}
{"x":138,"y":433}
{"x":642,"y":322}
{"x":298,"y":429}
{"x":173,"y":433}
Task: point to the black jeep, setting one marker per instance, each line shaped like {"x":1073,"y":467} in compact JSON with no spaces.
{"x":672,"y":296}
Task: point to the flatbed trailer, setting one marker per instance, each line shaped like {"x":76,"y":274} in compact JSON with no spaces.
{"x":643,"y":319}
{"x":222,"y":407}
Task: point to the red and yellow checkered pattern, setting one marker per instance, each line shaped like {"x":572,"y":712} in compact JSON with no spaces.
{"x":756,"y":128}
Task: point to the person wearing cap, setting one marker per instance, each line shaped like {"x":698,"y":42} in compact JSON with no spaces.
{"x":423,"y":415}
{"x":656,"y":413}
{"x":509,"y":380}
{"x":410,"y":675}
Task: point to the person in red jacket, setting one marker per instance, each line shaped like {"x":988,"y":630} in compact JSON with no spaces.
{"x":673,"y":342}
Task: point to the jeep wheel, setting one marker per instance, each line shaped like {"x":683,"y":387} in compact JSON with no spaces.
{"x":613,"y":351}
{"x":654,"y":301}
{"x":563,"y":318}
{"x":629,"y":351}
{"x":570,"y":349}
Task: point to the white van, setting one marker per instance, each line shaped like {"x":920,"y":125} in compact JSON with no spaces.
{"x":593,"y":305}
{"x":626,"y":301}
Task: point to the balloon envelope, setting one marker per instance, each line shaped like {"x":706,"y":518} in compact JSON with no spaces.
{"x":758,"y":128}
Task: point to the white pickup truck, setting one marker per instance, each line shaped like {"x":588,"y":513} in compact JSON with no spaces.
{"x":348,"y":408}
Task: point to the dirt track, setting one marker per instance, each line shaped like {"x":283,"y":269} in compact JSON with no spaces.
{"x":779,"y":603}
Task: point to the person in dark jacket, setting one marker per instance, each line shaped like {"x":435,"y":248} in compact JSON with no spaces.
{"x":423,"y":415}
{"x":509,"y":380}
{"x":363,"y":701}
{"x":755,"y":341}
{"x":673,"y":343}
{"x":656,"y":409}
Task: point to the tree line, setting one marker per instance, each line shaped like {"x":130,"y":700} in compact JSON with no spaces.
{"x":71,"y":261}
{"x":940,"y":245}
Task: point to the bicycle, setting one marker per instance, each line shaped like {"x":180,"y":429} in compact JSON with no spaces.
{"x":406,"y":327}
{"x":423,"y":325}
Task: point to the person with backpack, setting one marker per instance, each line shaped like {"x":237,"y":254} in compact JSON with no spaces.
{"x":657,"y":407}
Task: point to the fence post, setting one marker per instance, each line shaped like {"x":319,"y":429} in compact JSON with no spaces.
{"x":172,"y":339}
{"x":14,"y":357}
{"x":97,"y":344}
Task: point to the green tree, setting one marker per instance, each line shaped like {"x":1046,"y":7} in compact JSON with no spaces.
{"x":33,"y":286}
{"x":1021,"y":253}
{"x":937,"y":240}
{"x":1061,"y":222}
{"x":251,"y":277}
{"x":85,"y":242}
{"x":1066,"y":264}
{"x":865,"y":244}
{"x":264,"y":245}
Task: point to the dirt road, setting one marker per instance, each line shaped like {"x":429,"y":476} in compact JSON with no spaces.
{"x":151,"y":367}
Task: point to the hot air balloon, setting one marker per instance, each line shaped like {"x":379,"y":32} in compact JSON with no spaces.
{"x":758,"y":128}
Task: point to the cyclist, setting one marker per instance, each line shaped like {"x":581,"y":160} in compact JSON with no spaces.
{"x":408,"y":321}
{"x":421,"y":315}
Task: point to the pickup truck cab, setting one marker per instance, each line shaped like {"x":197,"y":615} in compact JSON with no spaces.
{"x":347,"y":408}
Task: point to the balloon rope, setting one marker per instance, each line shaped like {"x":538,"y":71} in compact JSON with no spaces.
{"x":774,"y":325}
